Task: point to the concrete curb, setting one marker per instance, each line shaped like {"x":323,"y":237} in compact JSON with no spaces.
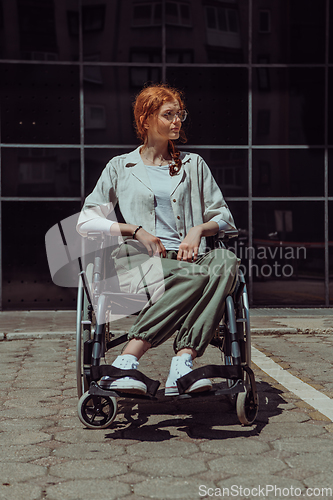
{"x":71,"y":334}
{"x":35,"y":335}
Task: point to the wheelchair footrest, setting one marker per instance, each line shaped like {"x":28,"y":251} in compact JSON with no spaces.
{"x":210,"y":371}
{"x":98,"y":372}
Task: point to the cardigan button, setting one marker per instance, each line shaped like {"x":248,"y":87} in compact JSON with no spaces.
{"x":178,"y":217}
{"x":180,"y":234}
{"x":174,"y":200}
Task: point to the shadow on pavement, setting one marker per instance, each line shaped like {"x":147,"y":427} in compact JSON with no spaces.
{"x":205,"y":417}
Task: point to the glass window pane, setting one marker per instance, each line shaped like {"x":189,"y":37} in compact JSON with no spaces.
{"x":239,"y":210}
{"x":108,"y":106}
{"x":288,"y":172}
{"x":290,"y":32}
{"x":211,"y":17}
{"x":95,"y":161}
{"x":330,"y":105}
{"x":222,"y":19}
{"x":40,"y":104}
{"x":213,"y":34}
{"x":330,"y":237}
{"x":330,"y":172}
{"x":216,"y":99}
{"x":185,"y":14}
{"x":288,"y":264}
{"x":117,"y":28}
{"x":229,"y":168}
{"x":171,"y":12}
{"x":288,"y":106}
{"x":232,"y":20}
{"x":27,"y":282}
{"x":40,"y":172}
{"x":240,"y":213}
{"x":41,"y":30}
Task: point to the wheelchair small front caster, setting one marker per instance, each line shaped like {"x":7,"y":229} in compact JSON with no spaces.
{"x":97,"y":412}
{"x":246,"y":407}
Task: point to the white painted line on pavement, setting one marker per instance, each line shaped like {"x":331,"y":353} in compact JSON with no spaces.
{"x":314,"y":398}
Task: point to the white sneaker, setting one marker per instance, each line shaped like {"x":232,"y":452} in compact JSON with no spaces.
{"x":126,"y":384}
{"x":180,"y":366}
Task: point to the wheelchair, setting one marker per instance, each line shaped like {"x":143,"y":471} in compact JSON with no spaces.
{"x":96,"y":305}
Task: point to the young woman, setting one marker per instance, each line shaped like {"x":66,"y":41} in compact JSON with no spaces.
{"x":169,"y":203}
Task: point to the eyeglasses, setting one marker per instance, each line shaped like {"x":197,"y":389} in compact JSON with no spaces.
{"x":181,"y":114}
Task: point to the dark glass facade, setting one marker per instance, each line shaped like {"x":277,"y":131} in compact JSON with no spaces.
{"x":257,"y":78}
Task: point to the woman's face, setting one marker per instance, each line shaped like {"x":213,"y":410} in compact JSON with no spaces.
{"x":165,"y":124}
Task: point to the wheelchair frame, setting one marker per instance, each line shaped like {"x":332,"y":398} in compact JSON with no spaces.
{"x":97,"y":407}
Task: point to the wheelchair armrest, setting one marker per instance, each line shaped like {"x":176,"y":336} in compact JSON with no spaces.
{"x":227,"y":234}
{"x":95,"y":235}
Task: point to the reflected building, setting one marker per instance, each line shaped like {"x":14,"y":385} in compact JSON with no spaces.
{"x":256,"y":77}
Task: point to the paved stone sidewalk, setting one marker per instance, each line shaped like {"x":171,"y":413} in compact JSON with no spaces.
{"x":167,"y":449}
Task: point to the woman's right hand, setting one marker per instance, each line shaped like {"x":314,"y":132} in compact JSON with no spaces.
{"x":153,"y":244}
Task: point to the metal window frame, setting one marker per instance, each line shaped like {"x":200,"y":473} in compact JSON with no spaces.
{"x":250,"y":147}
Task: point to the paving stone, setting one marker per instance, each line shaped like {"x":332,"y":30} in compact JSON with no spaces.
{"x":171,"y":448}
{"x":23,"y":438}
{"x":232,"y":464}
{"x":27,"y":412}
{"x":21,"y":425}
{"x":264,"y":485}
{"x":83,"y":489}
{"x":169,"y":488}
{"x":236,"y":446}
{"x":312,"y":462}
{"x":290,"y":429}
{"x":19,"y":472}
{"x":87,"y":469}
{"x":82,"y":435}
{"x":41,"y":394}
{"x":175,"y":466}
{"x":22,"y":453}
{"x":301,"y":445}
{"x":324,"y":480}
{"x":221,"y":432}
{"x":66,"y":423}
{"x":16,"y":492}
{"x":31,"y":402}
{"x":90,"y":451}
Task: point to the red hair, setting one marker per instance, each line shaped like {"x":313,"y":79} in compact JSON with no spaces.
{"x":147,"y":103}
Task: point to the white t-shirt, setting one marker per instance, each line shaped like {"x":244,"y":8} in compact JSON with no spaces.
{"x":165,"y":224}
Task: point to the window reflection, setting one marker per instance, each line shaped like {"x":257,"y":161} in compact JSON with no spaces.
{"x":330,"y":237}
{"x":216,"y":32}
{"x":288,"y":106}
{"x":229,"y":168}
{"x":95,"y":162}
{"x":217,"y":102}
{"x":147,"y":14}
{"x":290,"y":32}
{"x":40,"y":172}
{"x":27,"y":282}
{"x":288,"y":172}
{"x":287,"y":257}
{"x":330,"y":172}
{"x":40,"y":104}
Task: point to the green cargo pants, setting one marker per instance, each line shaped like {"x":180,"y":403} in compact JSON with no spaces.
{"x":186,"y":298}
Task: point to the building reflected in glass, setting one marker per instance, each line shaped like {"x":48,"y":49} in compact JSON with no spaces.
{"x":257,"y":78}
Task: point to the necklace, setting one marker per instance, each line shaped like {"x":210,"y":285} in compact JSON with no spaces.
{"x":159,"y":164}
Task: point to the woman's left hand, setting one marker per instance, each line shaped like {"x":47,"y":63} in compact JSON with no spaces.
{"x":189,"y":247}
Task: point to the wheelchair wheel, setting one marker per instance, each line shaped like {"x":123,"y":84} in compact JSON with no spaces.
{"x":97,"y":412}
{"x":83,"y":331}
{"x":246,"y":407}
